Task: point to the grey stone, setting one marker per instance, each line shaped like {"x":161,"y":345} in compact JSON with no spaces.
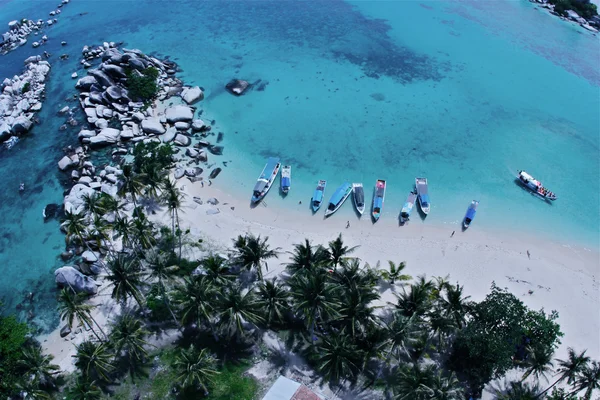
{"x":65,"y":331}
{"x":182,"y":126}
{"x":102,"y":78}
{"x":182,"y":140}
{"x":90,"y":256}
{"x":153,"y":126}
{"x":179,"y":113}
{"x":198,"y":125}
{"x":86,"y":82}
{"x":21,"y":125}
{"x":192,"y":95}
{"x":70,"y":277}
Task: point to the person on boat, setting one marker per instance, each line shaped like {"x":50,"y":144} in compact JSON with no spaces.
{"x":21,"y":187}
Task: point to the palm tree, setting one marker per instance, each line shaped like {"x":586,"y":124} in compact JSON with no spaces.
{"x":123,"y":227}
{"x":173,"y":198}
{"x":517,"y":390}
{"x":128,"y":336}
{"x":441,"y":325}
{"x":314,"y":298}
{"x":125,"y":276}
{"x":446,"y":388}
{"x":84,"y":389}
{"x":130,"y":182}
{"x":568,"y":369}
{"x":421,"y":344}
{"x":415,"y":302}
{"x":538,"y":362}
{"x":274,"y":299}
{"x":252,"y":252}
{"x":216,"y":270}
{"x":455,"y":305}
{"x":143,"y":231}
{"x":94,"y":360}
{"x":395,"y":273}
{"x":162,"y":273}
{"x":414,"y":382}
{"x":351,"y":274}
{"x":357,"y":311}
{"x":72,"y":305}
{"x":194,"y":369}
{"x":75,"y":225}
{"x":337,"y":252}
{"x":196,"y":299}
{"x":154,"y":179}
{"x":235,"y":308}
{"x":306,"y":258}
{"x":400,"y":334}
{"x":109,"y":204}
{"x":36,"y":367}
{"x":337,"y":357}
{"x":92,"y":205}
{"x":588,"y":379}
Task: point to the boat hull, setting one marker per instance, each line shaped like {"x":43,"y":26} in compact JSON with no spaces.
{"x":535,"y":186}
{"x":336,"y":206}
{"x":357,"y":194}
{"x":318,"y":196}
{"x":378,"y":199}
{"x":266,"y":179}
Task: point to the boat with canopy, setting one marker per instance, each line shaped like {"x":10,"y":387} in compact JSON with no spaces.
{"x":265,"y":179}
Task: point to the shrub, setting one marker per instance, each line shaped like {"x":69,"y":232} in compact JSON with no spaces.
{"x":26,"y":88}
{"x":142,"y":87}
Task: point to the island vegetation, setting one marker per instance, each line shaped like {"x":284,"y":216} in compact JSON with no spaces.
{"x":142,"y":84}
{"x":432,"y":342}
{"x":585,"y":8}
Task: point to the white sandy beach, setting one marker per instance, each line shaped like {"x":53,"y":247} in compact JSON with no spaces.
{"x":562,"y":277}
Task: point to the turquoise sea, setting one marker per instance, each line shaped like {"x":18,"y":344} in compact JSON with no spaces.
{"x":463,"y":92}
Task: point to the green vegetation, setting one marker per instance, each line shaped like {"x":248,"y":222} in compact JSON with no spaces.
{"x":26,"y":87}
{"x":142,"y":85}
{"x":584,"y":8}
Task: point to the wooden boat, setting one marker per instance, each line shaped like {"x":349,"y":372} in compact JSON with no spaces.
{"x":378,"y":198}
{"x":286,"y":179}
{"x":408,"y":206}
{"x":338,"y":198}
{"x":266,"y":179}
{"x":359,"y":197}
{"x":423,"y":194}
{"x":317,"y":198}
{"x":535,"y":186}
{"x":470,"y":215}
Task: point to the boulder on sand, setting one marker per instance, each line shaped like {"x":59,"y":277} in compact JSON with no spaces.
{"x":179,"y":113}
{"x":152,"y":126}
{"x":182,"y":140}
{"x":237,"y":86}
{"x":70,"y":277}
{"x":192,"y":95}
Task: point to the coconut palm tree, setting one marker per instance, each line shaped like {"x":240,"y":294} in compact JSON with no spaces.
{"x":446,"y":388}
{"x":143,"y":231}
{"x":337,"y":252}
{"x":441,"y":325}
{"x":109,"y":204}
{"x":33,"y":391}
{"x":415,"y":302}
{"x":84,"y":389}
{"x":306,"y":257}
{"x":216,"y":270}
{"x":159,"y":271}
{"x":194,"y":369}
{"x":314,"y":298}
{"x":395,"y":273}
{"x":517,"y":390}
{"x":123,"y":227}
{"x":421,"y":344}
{"x":75,"y":225}
{"x":400,"y":335}
{"x":154,"y":180}
{"x":125,"y":276}
{"x":351,"y":274}
{"x":337,"y":357}
{"x":128,"y":337}
{"x":569,"y":368}
{"x":72,"y":305}
{"x":538,"y":362}
{"x":173,"y":198}
{"x":236,"y":307}
{"x":274,"y":299}
{"x":588,"y":379}
{"x":454,"y":304}
{"x":94,"y":360}
{"x":252,"y":252}
{"x":357,"y":311}
{"x":92,"y":204}
{"x":37,"y":368}
{"x":196,"y":300}
{"x":414,"y":382}
{"x":130,"y":182}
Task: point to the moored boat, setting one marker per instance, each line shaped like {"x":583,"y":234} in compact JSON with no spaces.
{"x":266,"y":179}
{"x":359,"y":197}
{"x":317,"y":198}
{"x":423,"y":194}
{"x":378,"y":198}
{"x":535,"y":186}
{"x":286,"y":179}
{"x":408,"y":206}
{"x":339,"y":197}
{"x":470,"y":215}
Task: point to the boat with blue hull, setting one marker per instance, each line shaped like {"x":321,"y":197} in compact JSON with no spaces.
{"x":286,"y":179}
{"x":338,"y":198}
{"x":470,"y":215}
{"x":317,"y":198}
{"x":408,"y":206}
{"x":423,"y":194}
{"x":378,"y":198}
{"x":266,"y":179}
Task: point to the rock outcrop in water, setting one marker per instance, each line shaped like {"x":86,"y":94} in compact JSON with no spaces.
{"x":21,"y":98}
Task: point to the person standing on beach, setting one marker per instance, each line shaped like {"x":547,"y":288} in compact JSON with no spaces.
{"x":347,"y":224}
{"x":452,"y":234}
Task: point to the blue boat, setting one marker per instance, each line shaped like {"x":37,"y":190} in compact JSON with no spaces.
{"x":423,"y":194}
{"x":286,"y":179}
{"x":338,"y":198}
{"x":378,"y":198}
{"x":266,"y":179}
{"x":471,"y":211}
{"x":317,"y":198}
{"x":408,"y":206}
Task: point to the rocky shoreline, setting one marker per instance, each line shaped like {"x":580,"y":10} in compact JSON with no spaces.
{"x":592,"y":25}
{"x":119,"y":120}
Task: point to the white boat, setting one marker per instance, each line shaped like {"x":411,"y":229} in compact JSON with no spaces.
{"x":535,"y":186}
{"x":359,"y":197}
{"x":338,"y":198}
{"x":423,"y":194}
{"x":408,"y":206}
{"x":265,"y":179}
{"x":11,"y":142}
{"x":286,"y":179}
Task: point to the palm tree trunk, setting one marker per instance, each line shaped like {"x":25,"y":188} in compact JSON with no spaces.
{"x":84,"y":320}
{"x":551,"y":386}
{"x":165,"y":298}
{"x":179,"y":228}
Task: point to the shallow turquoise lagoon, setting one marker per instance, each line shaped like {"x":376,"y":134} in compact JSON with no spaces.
{"x":464,"y":93}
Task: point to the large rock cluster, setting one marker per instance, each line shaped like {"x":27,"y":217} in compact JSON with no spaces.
{"x":21,"y":98}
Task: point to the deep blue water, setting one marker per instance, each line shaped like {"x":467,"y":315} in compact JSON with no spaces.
{"x":462,"y":92}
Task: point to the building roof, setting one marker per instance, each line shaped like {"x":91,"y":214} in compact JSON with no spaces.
{"x":287,"y":389}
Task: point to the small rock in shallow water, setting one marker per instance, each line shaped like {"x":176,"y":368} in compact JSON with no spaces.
{"x":215,"y":172}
